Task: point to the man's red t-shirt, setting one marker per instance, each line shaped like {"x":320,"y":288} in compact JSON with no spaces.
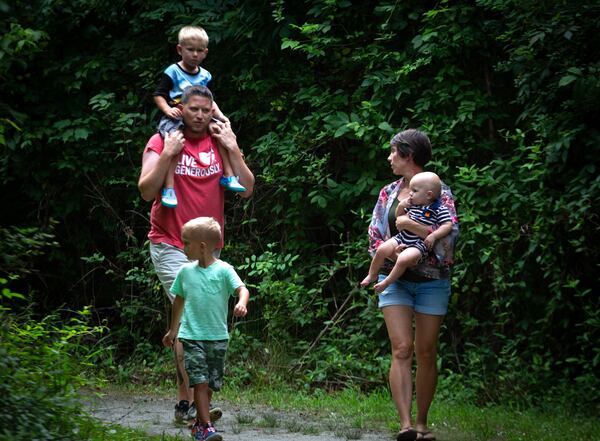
{"x":197,"y":176}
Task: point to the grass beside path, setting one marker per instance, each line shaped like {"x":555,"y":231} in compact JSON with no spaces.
{"x":450,"y":421}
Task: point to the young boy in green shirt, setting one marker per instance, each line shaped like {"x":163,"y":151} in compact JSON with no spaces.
{"x":204,"y":286}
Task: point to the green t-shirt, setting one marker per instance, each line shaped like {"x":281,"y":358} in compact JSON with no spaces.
{"x":206,"y":292}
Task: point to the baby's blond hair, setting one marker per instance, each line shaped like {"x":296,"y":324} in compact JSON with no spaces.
{"x":430,"y":181}
{"x":203,"y":229}
{"x":188,"y":33}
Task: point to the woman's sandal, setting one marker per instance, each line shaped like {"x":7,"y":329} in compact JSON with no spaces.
{"x":425,"y":435}
{"x":407,"y":434}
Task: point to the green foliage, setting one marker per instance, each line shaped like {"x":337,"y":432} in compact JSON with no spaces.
{"x":510,"y":231}
{"x":19,"y":246}
{"x":40,"y":373}
{"x":507,"y":91}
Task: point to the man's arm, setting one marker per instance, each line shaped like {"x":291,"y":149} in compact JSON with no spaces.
{"x":177,"y":308}
{"x":155,"y":166}
{"x":222,"y":133}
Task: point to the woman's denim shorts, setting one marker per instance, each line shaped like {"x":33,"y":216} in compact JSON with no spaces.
{"x":425,"y":297}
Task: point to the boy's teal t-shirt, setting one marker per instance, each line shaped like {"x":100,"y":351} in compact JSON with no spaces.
{"x":206,"y":292}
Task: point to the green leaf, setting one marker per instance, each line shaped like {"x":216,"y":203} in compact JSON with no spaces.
{"x":566,"y":80}
{"x":341,"y":131}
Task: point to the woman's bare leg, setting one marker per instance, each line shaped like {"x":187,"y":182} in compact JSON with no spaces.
{"x":426,"y":340}
{"x":398,"y":320}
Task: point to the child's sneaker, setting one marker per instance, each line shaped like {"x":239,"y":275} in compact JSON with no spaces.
{"x":232,"y":183}
{"x":197,"y":430}
{"x":181,"y":409}
{"x":205,"y":432}
{"x":215,"y":413}
{"x":168,"y":197}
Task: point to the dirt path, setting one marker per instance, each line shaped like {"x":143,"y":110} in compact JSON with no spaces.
{"x":155,"y":416}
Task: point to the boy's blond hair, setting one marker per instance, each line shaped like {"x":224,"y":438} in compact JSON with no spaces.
{"x":188,"y":33}
{"x":203,"y":229}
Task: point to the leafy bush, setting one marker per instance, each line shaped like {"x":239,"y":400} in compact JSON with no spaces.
{"x":40,"y":374}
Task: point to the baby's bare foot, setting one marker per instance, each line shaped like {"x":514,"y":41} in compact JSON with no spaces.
{"x":367,"y":280}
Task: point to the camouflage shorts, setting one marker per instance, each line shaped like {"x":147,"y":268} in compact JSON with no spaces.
{"x":204,"y":361}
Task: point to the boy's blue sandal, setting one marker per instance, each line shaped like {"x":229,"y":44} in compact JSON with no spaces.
{"x":232,"y":183}
{"x":168,"y":197}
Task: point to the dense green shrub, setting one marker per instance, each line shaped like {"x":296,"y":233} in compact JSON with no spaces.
{"x":40,"y":373}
